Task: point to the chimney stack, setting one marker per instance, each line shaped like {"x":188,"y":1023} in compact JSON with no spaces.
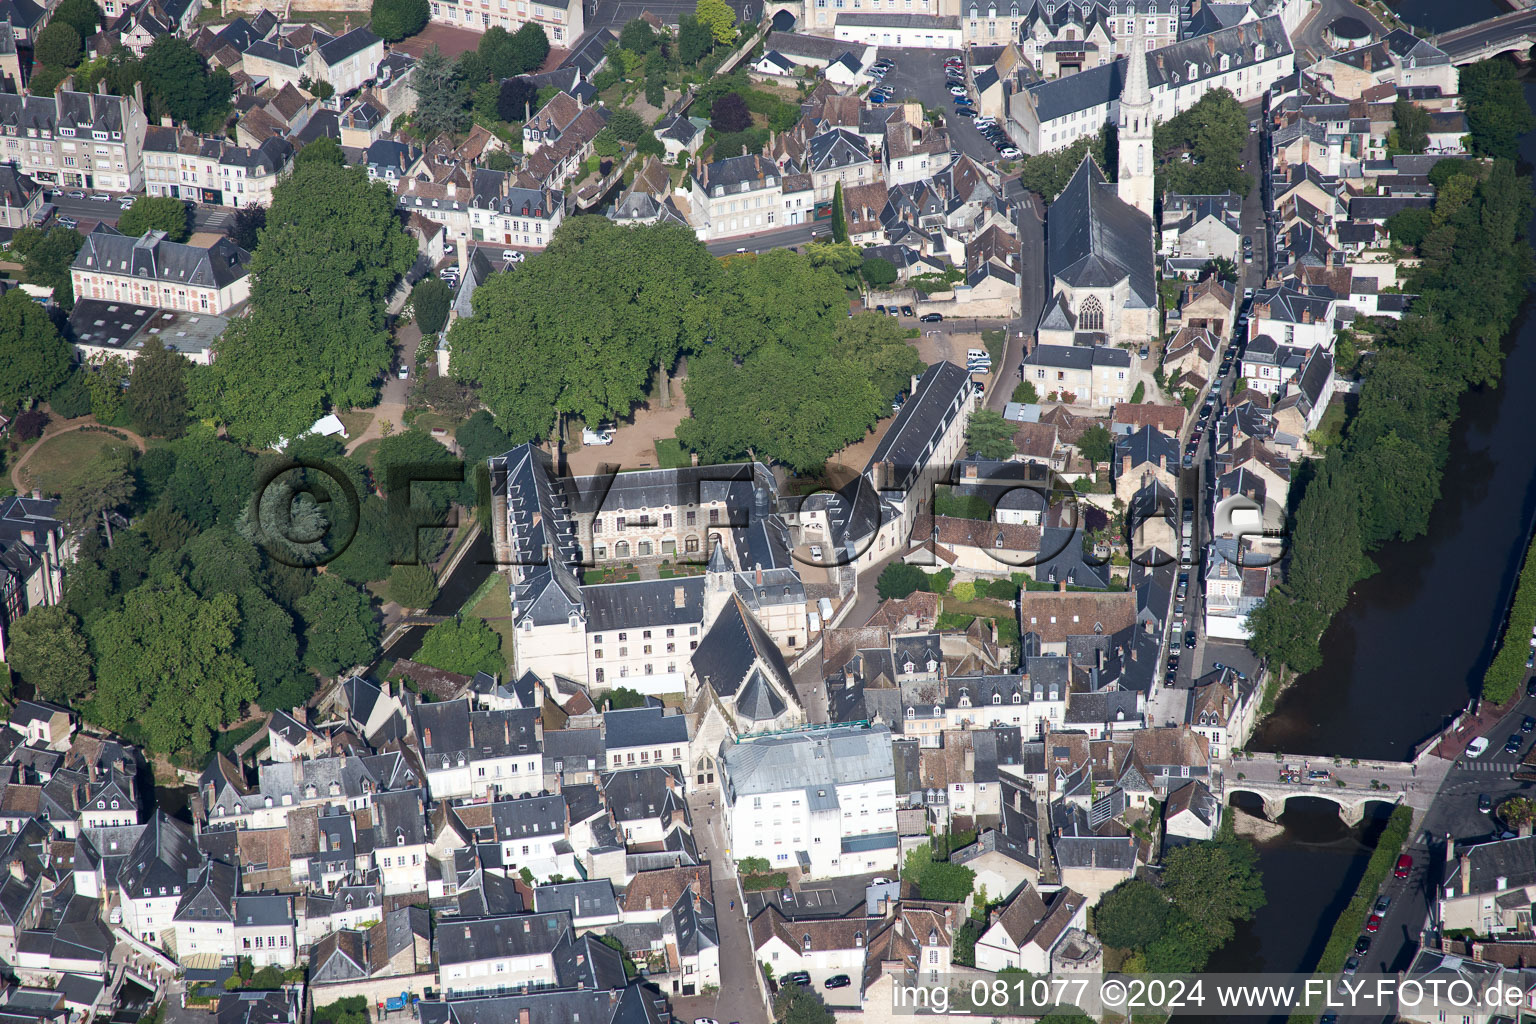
{"x":1466,"y":874}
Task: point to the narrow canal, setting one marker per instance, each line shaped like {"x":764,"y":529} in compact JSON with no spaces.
{"x":1410,"y":648}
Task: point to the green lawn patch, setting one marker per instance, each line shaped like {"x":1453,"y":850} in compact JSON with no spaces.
{"x":947,"y":503}
{"x":616,"y":574}
{"x":226,"y":742}
{"x":670,"y":454}
{"x":63,"y":456}
{"x":495,"y":607}
{"x":997,"y":344}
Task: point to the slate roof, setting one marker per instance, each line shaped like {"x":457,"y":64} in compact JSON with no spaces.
{"x":666,"y":602}
{"x":153,"y":257}
{"x":633,"y":727}
{"x":1096,"y":239}
{"x":808,"y":761}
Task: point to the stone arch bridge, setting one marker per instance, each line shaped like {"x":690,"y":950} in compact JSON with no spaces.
{"x":1351,"y":785}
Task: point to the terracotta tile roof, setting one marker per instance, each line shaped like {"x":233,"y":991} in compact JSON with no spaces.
{"x":1056,"y":615}
{"x":951,"y":532}
{"x":664,"y":887}
{"x":1167,"y":418}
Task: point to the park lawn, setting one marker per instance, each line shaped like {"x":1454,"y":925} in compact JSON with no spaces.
{"x":367,"y":453}
{"x":64,"y":455}
{"x":427,"y":422}
{"x":496,"y":609}
{"x":670,"y":454}
{"x":355,"y":420}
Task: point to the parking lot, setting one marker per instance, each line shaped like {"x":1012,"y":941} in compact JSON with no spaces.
{"x":919,"y":75}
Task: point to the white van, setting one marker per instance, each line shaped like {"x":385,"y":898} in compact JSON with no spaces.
{"x":977,"y":355}
{"x":602,"y":435}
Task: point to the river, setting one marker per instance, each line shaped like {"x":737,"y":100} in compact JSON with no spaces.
{"x":1410,"y":648}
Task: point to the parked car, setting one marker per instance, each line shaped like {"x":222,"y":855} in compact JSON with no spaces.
{"x":1351,"y":965}
{"x":908,"y":311}
{"x":69,"y":222}
{"x":838,"y":981}
{"x":957,"y":90}
{"x":405,"y":371}
{"x":1477,"y":747}
{"x":1382,"y":903}
{"x":932,"y":318}
{"x":964,"y":112}
{"x":816,"y":552}
{"x":801,"y":978}
{"x":882,"y":880}
{"x":77,"y":194}
{"x":1404,"y":865}
{"x":1373,"y":923}
{"x":1512,"y":745}
{"x":101,"y":197}
{"x":1362,"y":945}
{"x":1189,"y":639}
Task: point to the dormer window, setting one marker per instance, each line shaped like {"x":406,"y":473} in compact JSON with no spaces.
{"x":1018,"y":698}
{"x":68,"y":133}
{"x":911,"y":713}
{"x":997,"y":698}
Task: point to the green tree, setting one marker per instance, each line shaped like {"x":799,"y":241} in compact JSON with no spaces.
{"x":479,"y":438}
{"x":1048,"y":173}
{"x":393,"y":20}
{"x":1140,"y":392}
{"x":899,"y":580}
{"x":628,"y":125}
{"x":1026,"y":393}
{"x":412,"y":586}
{"x":1409,"y":226}
{"x":1131,"y":915}
{"x":46,"y":257}
{"x":1497,"y":112}
{"x":531,"y":47}
{"x":839,"y":218}
{"x":57,"y":45}
{"x":720,"y":19}
{"x":440,"y":95}
{"x":84,"y":16}
{"x":606,"y":145}
{"x":694,"y":40}
{"x":498,"y":53}
{"x":1096,"y":444}
{"x":589,"y":347}
{"x":1213,"y":133}
{"x":989,"y":435}
{"x":157,"y":390}
{"x":47,"y":651}
{"x":465,"y":645}
{"x":178,"y":83}
{"x":34,"y":359}
{"x":621,"y":697}
{"x":329,"y":255}
{"x":166,"y":662}
{"x":796,"y":1005}
{"x":880,"y":273}
{"x":1214,"y":884}
{"x":72,"y":398}
{"x":323,"y":150}
{"x":157,"y":213}
{"x":430,"y":298}
{"x":877,"y":346}
{"x":637,"y":36}
{"x":1412,"y":123}
{"x":102,"y":485}
{"x":268,"y":641}
{"x":340,"y":629}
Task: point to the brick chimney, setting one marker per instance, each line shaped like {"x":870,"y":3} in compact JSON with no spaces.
{"x":1466,"y":874}
{"x":680,"y":595}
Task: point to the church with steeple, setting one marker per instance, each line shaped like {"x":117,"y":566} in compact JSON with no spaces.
{"x":1100,"y":236}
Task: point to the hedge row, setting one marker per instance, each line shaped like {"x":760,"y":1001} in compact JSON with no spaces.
{"x":1351,"y":923}
{"x":1507,"y":669}
{"x":753,"y":883}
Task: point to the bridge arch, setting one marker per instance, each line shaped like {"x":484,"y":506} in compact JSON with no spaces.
{"x":1351,"y":803}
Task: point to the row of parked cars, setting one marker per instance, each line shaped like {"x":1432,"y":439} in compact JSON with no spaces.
{"x":878,"y":70}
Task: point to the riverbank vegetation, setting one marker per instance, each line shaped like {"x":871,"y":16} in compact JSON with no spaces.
{"x":1502,"y":680}
{"x":1351,"y":922}
{"x":1380,"y":483}
{"x":1174,"y":928}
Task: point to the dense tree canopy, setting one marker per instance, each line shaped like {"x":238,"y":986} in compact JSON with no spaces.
{"x":440,"y":95}
{"x":1212,"y":133}
{"x":330,"y":252}
{"x":157,"y":213}
{"x":465,"y":645}
{"x":340,"y":629}
{"x":84,"y":16}
{"x":1497,"y":113}
{"x":1380,"y":484}
{"x":177,"y":82}
{"x":989,"y":435}
{"x":430,"y":299}
{"x":167,"y":663}
{"x":34,"y":359}
{"x":46,"y":257}
{"x":581,"y":328}
{"x":57,"y":45}
{"x":157,"y":390}
{"x":47,"y":651}
{"x":393,"y":20}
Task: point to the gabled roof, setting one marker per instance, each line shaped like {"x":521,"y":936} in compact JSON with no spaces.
{"x":1096,"y":239}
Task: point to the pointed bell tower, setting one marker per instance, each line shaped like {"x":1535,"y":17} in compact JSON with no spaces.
{"x":719,"y":580}
{"x":1135,"y":184}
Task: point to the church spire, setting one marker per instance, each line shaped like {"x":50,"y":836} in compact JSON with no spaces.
{"x":1135,"y":165}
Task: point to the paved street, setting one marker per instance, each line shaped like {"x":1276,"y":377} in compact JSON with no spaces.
{"x":1308,"y":37}
{"x":919,"y":75}
{"x":796,"y":235}
{"x":204,"y":218}
{"x":615,"y":14}
{"x":739,"y":998}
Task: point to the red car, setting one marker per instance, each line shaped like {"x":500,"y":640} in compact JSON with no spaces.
{"x":1404,"y":865}
{"x":1374,"y":924}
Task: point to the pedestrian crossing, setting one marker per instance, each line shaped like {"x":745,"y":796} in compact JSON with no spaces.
{"x":1490,"y":766}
